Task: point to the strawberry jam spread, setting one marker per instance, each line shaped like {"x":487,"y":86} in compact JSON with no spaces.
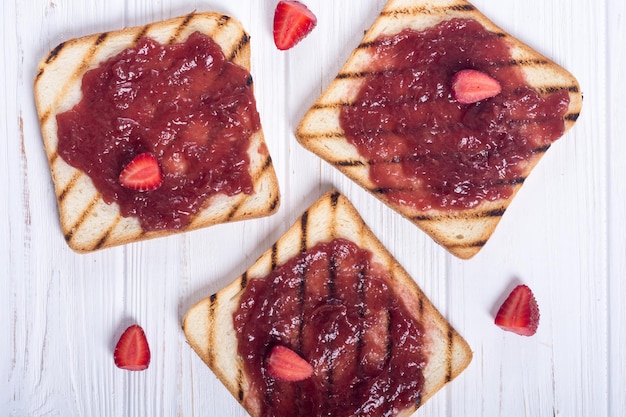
{"x":428,"y":150}
{"x":332,"y":305}
{"x":183,"y":103}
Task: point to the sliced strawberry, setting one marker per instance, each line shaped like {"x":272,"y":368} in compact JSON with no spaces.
{"x":470,"y":86}
{"x":132,"y":351}
{"x":292,"y":22}
{"x":283,"y":363}
{"x":519,"y":313}
{"x":143,"y":173}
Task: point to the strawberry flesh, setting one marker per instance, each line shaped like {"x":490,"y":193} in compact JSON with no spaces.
{"x":143,"y":173}
{"x":292,"y":22}
{"x":132,"y":351}
{"x":285,"y":364}
{"x":470,"y":86}
{"x":519,"y":313}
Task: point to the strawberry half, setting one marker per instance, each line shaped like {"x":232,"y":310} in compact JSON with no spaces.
{"x":143,"y":173}
{"x":519,"y":313}
{"x":132,"y":351}
{"x":283,"y":363}
{"x":292,"y":22}
{"x":470,"y":86}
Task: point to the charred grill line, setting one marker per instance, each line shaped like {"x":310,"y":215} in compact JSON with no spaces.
{"x":304,"y":227}
{"x":412,"y":11}
{"x":70,"y":184}
{"x":223,"y":20}
{"x":449,"y":354}
{"x":242,"y":43}
{"x":334,"y":198}
{"x":100,"y":243}
{"x":489,"y":213}
{"x":274,"y":257}
{"x":274,"y":203}
{"x":244,"y":280}
{"x":349,"y":163}
{"x":141,"y":33}
{"x":572,"y":117}
{"x":81,"y":217}
{"x":101,"y":38}
{"x":211,"y":332}
{"x":321,"y":135}
{"x":240,"y":393}
{"x":54,"y":53}
{"x":179,"y":29}
{"x":233,"y":211}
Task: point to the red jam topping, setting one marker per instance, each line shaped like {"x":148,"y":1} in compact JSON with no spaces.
{"x":185,"y":104}
{"x":332,"y":305}
{"x":430,"y":151}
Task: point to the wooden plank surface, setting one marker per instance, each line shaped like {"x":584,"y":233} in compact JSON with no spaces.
{"x":61,"y":313}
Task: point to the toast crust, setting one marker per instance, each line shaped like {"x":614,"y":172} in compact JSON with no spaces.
{"x":461,"y":232}
{"x":87,"y":222}
{"x":209,"y":326}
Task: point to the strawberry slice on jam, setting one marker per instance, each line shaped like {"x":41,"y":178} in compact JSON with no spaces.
{"x":293,"y":21}
{"x":143,"y":173}
{"x":519,"y":313}
{"x":132,"y":351}
{"x":285,"y":364}
{"x":470,"y":86}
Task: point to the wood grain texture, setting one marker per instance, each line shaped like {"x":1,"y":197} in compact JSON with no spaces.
{"x":61,"y":313}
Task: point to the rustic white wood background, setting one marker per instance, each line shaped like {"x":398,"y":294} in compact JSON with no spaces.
{"x":61,"y":313}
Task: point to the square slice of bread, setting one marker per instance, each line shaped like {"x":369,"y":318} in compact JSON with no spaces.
{"x":87,"y":222}
{"x":463,"y":232}
{"x":209,"y":324}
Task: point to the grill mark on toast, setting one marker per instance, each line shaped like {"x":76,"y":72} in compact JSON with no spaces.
{"x":304,"y":228}
{"x":69,"y":186}
{"x":233,"y":211}
{"x":142,"y":32}
{"x":274,"y":257}
{"x":350,"y":163}
{"x":179,"y":29}
{"x":105,"y":236}
{"x":572,"y":117}
{"x":244,"y":280}
{"x":551,"y":89}
{"x":449,"y":352}
{"x":499,"y":212}
{"x":82,"y":217}
{"x":243,"y":41}
{"x":221,"y":22}
{"x":211,"y":331}
{"x":334,"y":198}
{"x":413,"y":11}
{"x":55,"y":53}
{"x":240,"y":393}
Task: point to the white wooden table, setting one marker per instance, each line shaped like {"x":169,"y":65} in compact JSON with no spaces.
{"x":564,"y":235}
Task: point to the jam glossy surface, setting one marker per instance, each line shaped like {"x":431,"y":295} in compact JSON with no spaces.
{"x":332,"y":305}
{"x":429,"y":151}
{"x":184,"y":103}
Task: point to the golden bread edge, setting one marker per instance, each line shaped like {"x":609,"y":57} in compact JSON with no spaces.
{"x":87,"y":222}
{"x":330,"y":217}
{"x":462,"y":233}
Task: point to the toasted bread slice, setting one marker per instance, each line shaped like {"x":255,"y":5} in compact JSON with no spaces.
{"x":463,"y":232}
{"x":209,"y":324}
{"x":87,"y":222}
